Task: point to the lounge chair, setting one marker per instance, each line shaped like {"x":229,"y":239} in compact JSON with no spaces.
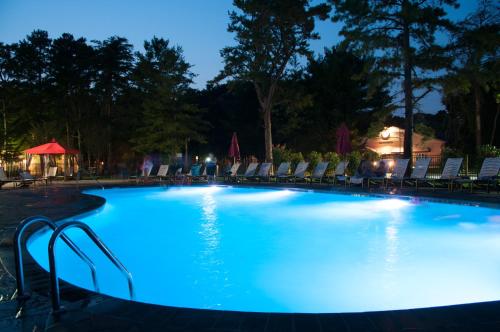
{"x":449,"y":174}
{"x":339,"y":173}
{"x":264,"y":172}
{"x":26,"y":179}
{"x":319,"y":172}
{"x":145,"y":173}
{"x":232,"y":173}
{"x":419,"y":172}
{"x":363,"y":172}
{"x":249,"y":173}
{"x":380,"y":174}
{"x":51,"y":174}
{"x":3,"y":178}
{"x":300,"y":171}
{"x":162,"y":172}
{"x":195,"y":173}
{"x":398,"y":173}
{"x":488,"y":174}
{"x":282,"y":172}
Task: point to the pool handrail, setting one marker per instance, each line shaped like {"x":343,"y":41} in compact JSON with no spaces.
{"x":54,"y":281}
{"x":18,"y":255}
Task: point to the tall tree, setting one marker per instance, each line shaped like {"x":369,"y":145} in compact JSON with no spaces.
{"x":475,"y":48}
{"x":114,"y":65}
{"x":169,"y":121}
{"x":401,"y":34}
{"x":270,"y":37}
{"x":71,"y":73}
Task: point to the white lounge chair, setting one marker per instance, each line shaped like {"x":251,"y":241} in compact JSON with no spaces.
{"x":300,"y":171}
{"x":398,"y":173}
{"x":488,"y":174}
{"x":419,"y":171}
{"x":264,"y":172}
{"x":340,"y":169}
{"x":283,"y":170}
{"x":250,"y":171}
{"x":319,"y":172}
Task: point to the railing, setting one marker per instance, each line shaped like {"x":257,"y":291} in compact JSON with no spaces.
{"x":82,"y":170}
{"x":56,"y":302}
{"x":18,"y":256}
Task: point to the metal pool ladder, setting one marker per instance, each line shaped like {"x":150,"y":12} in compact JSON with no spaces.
{"x":58,"y":232}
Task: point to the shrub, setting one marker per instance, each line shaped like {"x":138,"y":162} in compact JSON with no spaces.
{"x":488,"y":151}
{"x":281,"y":154}
{"x":314,"y":158}
{"x":354,"y":159}
{"x":370,"y":155}
{"x":333,"y":159}
{"x":295,"y":158}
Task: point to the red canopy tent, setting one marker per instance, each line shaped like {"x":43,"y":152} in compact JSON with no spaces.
{"x":48,"y":149}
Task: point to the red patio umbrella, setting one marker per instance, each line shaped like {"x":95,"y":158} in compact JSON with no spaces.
{"x":343,"y":141}
{"x":234,"y":148}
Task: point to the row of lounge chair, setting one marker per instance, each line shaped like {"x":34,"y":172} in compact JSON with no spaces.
{"x":25,"y":178}
{"x":488,"y":174}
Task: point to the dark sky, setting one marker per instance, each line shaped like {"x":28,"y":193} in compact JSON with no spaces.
{"x":198,"y":26}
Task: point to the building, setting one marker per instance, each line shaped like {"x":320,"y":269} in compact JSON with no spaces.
{"x":390,"y":142}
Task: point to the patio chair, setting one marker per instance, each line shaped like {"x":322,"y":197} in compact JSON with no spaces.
{"x":232,"y":173}
{"x":339,"y":173}
{"x":398,"y":173}
{"x":419,"y":172}
{"x":319,"y":172}
{"x":488,"y":175}
{"x":3,"y":178}
{"x":250,"y":172}
{"x":300,"y":171}
{"x":26,"y":179}
{"x":145,"y":174}
{"x":162,"y":172}
{"x":195,"y":173}
{"x":264,"y":172}
{"x":448,"y":175}
{"x":282,"y":172}
{"x":380,"y":174}
{"x":51,"y":174}
{"x":363,"y":172}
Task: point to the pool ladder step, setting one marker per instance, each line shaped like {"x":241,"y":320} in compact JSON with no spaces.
{"x":58,"y":232}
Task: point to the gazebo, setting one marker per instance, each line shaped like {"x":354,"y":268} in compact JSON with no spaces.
{"x":48,"y":152}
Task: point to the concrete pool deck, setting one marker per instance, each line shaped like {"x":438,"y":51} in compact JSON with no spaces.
{"x":93,"y":312}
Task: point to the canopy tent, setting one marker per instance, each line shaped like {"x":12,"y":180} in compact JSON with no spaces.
{"x":51,"y":148}
{"x":45,"y":151}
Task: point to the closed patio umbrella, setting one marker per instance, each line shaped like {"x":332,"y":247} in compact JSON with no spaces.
{"x":343,"y":140}
{"x":234,"y":148}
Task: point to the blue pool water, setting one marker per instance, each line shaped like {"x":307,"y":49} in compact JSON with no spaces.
{"x":286,"y":251}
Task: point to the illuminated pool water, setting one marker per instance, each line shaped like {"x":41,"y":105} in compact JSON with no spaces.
{"x":286,"y":251}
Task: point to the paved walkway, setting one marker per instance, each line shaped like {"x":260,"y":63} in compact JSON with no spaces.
{"x":92,"y":312}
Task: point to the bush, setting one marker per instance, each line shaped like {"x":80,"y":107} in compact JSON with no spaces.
{"x":281,"y":154}
{"x":486,"y":151}
{"x":354,"y":159}
{"x":450,"y":153}
{"x":333,"y":159}
{"x":295,"y":158}
{"x":370,"y":155}
{"x":314,"y":158}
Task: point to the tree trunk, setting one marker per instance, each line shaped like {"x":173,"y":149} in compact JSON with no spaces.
{"x":477,"y":115}
{"x":493,"y":132}
{"x":268,"y":136}
{"x":408,"y":93}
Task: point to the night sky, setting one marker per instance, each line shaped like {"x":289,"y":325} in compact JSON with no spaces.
{"x":198,"y":26}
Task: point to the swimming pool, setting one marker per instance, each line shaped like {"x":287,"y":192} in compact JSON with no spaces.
{"x":270,"y":250}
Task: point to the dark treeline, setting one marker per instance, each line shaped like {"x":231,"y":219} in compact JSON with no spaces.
{"x":115,"y":104}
